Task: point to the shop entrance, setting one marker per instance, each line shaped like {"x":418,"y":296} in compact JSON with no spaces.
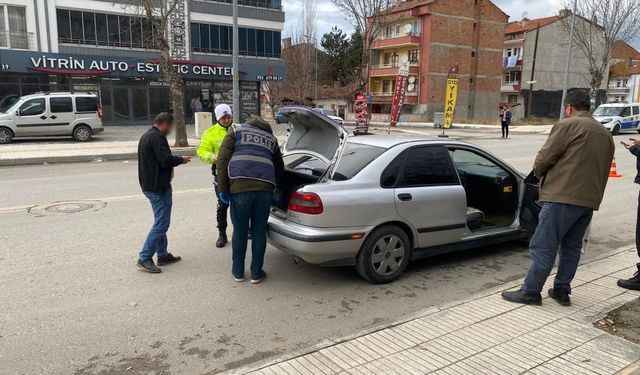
{"x":130,"y":105}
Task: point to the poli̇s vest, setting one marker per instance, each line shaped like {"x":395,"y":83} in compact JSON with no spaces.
{"x":253,"y":154}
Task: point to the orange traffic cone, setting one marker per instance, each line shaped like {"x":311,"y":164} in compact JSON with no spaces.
{"x":613,"y":172}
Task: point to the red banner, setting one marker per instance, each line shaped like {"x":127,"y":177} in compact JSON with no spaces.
{"x":398,"y":95}
{"x":362,"y":113}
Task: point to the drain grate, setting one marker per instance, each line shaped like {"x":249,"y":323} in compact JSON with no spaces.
{"x":66,"y":208}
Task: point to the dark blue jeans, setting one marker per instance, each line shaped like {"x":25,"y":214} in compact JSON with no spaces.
{"x":157,"y":238}
{"x":561,"y":226}
{"x":250,"y":207}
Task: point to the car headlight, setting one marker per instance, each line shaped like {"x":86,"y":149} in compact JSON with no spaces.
{"x":606,"y":120}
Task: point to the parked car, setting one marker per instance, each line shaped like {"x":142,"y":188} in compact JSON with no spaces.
{"x":619,"y":117}
{"x":377,"y":202}
{"x":8,"y":101}
{"x":52,"y":114}
{"x":280,"y":118}
{"x":330,"y":114}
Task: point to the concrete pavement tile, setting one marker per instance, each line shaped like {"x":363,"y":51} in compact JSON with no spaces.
{"x":615,"y":346}
{"x":290,"y":368}
{"x":380,"y":345}
{"x":516,"y":357}
{"x":361,"y":351}
{"x":414,"y":331}
{"x":300,"y":366}
{"x":464,"y":368}
{"x":561,"y":366}
{"x":313,"y":365}
{"x":442,"y":346}
{"x":402,"y":365}
{"x":418,"y":358}
{"x":404,"y":340}
{"x":318,"y":358}
{"x":429,"y":356}
{"x":371,"y":347}
{"x":493,"y":364}
{"x":390,"y":340}
{"x":338,"y":357}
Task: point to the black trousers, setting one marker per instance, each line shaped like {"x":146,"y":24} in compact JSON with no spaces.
{"x":221,"y":209}
{"x":638,"y":229}
{"x":505,"y":129}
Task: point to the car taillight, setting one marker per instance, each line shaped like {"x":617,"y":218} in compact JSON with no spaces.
{"x":306,"y":203}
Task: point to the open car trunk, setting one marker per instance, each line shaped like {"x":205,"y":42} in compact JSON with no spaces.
{"x":291,"y":181}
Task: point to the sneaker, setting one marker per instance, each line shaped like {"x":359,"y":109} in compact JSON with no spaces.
{"x":170,"y":258}
{"x":632,"y":283}
{"x":519,"y":296}
{"x":258,"y":279}
{"x":561,"y":296}
{"x":148,"y":266}
{"x":238,"y":279}
{"x":222,"y":240}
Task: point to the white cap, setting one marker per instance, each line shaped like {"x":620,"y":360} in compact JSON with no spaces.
{"x":222,"y":110}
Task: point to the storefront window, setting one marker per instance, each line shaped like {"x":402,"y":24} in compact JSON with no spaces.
{"x":218,"y":39}
{"x":13,"y":27}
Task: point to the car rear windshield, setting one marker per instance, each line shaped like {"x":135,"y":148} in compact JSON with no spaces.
{"x":86,"y":104}
{"x":356,"y":156}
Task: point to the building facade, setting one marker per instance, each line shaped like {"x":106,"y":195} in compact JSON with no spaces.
{"x":546,"y":81}
{"x":624,"y":76}
{"x":107,"y":47}
{"x":432,"y":36}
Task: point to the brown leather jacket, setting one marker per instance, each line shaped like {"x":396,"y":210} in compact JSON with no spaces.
{"x":574,"y":163}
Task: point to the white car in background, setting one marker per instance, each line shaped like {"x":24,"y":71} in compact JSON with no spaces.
{"x":330,"y":114}
{"x":619,"y":117}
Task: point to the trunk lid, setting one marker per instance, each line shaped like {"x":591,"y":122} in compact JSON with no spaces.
{"x":314,"y":134}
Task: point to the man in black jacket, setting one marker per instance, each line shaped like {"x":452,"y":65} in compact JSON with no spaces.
{"x":634,"y":282}
{"x":155,"y":171}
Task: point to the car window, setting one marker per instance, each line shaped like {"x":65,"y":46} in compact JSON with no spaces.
{"x":354,"y":158}
{"x":86,"y":104}
{"x":427,"y":165}
{"x":390,"y":174}
{"x":608,"y":111}
{"x":61,"y":105}
{"x":305,"y":164}
{"x":626,"y":112}
{"x":32,"y":107}
{"x":7,"y":102}
{"x":636,"y":110}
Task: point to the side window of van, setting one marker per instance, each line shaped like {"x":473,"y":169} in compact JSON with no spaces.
{"x":61,"y":105}
{"x":636,"y":110}
{"x":626,"y":112}
{"x":86,"y":104}
{"x":32,"y":107}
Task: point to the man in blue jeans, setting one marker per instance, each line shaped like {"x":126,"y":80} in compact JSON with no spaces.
{"x":573,"y":166}
{"x":249,"y":166}
{"x":155,"y":171}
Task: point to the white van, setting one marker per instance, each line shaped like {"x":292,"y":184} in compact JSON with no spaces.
{"x":619,"y":117}
{"x":52,"y":114}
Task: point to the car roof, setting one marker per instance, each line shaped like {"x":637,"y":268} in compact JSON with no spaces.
{"x":386,"y":141}
{"x":618,"y":104}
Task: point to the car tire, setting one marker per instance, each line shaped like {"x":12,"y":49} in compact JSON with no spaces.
{"x":82,"y":133}
{"x":384,"y":255}
{"x":6,"y":136}
{"x":615,"y":130}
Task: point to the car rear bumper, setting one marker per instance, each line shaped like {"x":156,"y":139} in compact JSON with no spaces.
{"x":325,"y":246}
{"x":97,"y":130}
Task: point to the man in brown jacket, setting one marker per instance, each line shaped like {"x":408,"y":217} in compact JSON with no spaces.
{"x":573,"y":167}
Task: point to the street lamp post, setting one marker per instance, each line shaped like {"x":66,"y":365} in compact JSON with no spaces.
{"x":236,"y":69}
{"x":568,"y":65}
{"x":315,"y":47}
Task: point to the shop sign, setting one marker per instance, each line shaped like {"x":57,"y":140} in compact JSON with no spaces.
{"x":398,"y":94}
{"x":177,"y":30}
{"x":361,"y":109}
{"x":451,"y":97}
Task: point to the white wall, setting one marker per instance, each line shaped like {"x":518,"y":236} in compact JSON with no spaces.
{"x":31,"y":19}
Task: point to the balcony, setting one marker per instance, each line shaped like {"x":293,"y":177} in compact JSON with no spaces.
{"x":612,"y":90}
{"x":510,"y":87}
{"x":385,"y":70}
{"x":17,"y":40}
{"x":517,"y":67}
{"x":386,"y":97}
{"x":269,"y":4}
{"x":396,"y":40}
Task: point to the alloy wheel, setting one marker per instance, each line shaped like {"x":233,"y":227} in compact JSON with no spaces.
{"x":388,"y":254}
{"x":83,"y":134}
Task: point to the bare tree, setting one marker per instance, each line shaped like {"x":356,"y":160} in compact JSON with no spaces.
{"x":602,"y":23}
{"x":169,"y":32}
{"x":368,"y":16}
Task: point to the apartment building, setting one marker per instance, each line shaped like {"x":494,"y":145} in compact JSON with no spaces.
{"x":546,"y":81}
{"x":624,"y":76}
{"x":107,"y":47}
{"x":432,"y":36}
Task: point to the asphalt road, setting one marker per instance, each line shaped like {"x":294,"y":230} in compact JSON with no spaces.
{"x":73,"y":302}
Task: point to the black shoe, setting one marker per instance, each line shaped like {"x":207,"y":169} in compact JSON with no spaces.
{"x":258,"y":279}
{"x":222,"y":240}
{"x":561,"y":296}
{"x":168,"y":260}
{"x":148,"y":266}
{"x":519,"y":296}
{"x":632,"y":283}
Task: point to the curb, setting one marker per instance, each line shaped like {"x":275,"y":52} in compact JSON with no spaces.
{"x":102,"y":156}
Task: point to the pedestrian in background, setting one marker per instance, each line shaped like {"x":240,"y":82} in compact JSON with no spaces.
{"x":634,"y":282}
{"x":196,"y":104}
{"x":249,"y":166}
{"x":505,"y":120}
{"x":155,"y":171}
{"x":573,"y":166}
{"x":208,"y":152}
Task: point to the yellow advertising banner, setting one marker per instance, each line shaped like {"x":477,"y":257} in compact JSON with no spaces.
{"x":451,"y":97}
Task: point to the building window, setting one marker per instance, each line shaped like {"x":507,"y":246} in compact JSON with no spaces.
{"x":13,"y":27}
{"x":413,"y":56}
{"x":271,"y":4}
{"x":100,"y":29}
{"x":513,"y":99}
{"x":515,"y":51}
{"x":218,"y":39}
{"x":512,"y":77}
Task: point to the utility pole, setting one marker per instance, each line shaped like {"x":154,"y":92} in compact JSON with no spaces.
{"x":236,"y":68}
{"x":568,"y":66}
{"x":533,"y":72}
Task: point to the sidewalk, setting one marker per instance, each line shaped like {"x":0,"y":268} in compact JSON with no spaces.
{"x":487,"y":335}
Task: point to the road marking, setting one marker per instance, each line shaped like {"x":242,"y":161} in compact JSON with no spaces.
{"x":118,"y":198}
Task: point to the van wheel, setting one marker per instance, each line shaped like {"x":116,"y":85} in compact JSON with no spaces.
{"x":82,"y":133}
{"x":384,"y":255}
{"x":6,"y":136}
{"x":616,"y":129}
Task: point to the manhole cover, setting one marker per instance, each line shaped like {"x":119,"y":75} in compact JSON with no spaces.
{"x":66,"y":208}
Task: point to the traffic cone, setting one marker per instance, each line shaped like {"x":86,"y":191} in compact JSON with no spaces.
{"x":613,"y":172}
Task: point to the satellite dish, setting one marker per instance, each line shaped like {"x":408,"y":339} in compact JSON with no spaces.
{"x":408,"y":28}
{"x":525,"y":15}
{"x":411,"y":87}
{"x":412,"y":79}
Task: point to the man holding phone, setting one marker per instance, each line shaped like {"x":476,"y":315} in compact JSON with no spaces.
{"x":634,"y":282}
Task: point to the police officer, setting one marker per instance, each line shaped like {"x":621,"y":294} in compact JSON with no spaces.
{"x":249,"y":165}
{"x":208,"y":153}
{"x":634,"y":282}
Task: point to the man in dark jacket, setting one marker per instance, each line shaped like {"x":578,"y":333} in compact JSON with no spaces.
{"x":155,"y":171}
{"x":634,"y":282}
{"x":249,"y":166}
{"x":574,"y":167}
{"x":505,"y":121}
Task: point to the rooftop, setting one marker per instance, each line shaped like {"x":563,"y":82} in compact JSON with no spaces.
{"x":526,"y":25}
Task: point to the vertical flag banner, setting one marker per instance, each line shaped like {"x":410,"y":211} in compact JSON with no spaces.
{"x":360,"y":106}
{"x":398,"y":94}
{"x":451,"y":97}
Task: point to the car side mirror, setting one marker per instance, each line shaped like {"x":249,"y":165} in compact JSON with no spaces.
{"x":17,"y":112}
